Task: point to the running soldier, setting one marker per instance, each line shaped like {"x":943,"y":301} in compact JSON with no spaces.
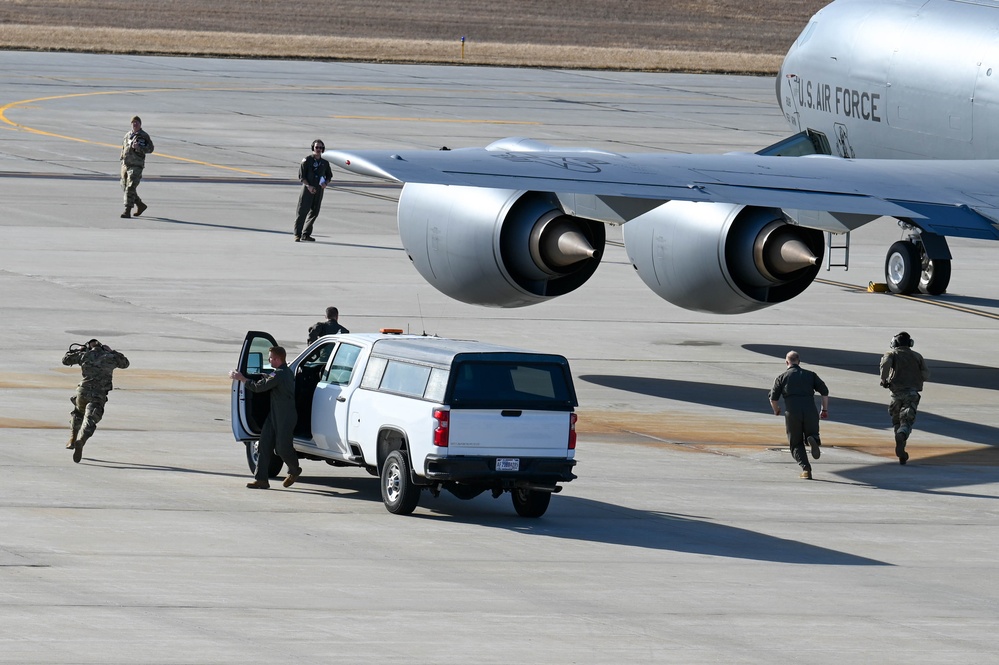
{"x":903,"y":372}
{"x":98,"y":362}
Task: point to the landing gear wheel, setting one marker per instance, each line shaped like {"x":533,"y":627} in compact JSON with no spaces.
{"x":399,"y":494}
{"x":935,"y":277}
{"x":252,"y":454}
{"x":530,"y":503}
{"x":903,"y":267}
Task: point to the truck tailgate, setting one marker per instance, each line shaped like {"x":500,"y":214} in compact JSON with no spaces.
{"x":509,"y":433}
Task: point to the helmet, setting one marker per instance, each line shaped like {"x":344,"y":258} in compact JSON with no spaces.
{"x":902,"y":339}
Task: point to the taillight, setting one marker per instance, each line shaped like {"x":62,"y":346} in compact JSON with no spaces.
{"x":443,"y":417}
{"x":572,"y":431}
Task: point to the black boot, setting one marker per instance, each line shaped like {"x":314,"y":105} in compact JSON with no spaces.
{"x":900,"y":438}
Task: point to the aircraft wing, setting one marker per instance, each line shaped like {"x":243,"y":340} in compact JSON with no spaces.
{"x":950,"y":198}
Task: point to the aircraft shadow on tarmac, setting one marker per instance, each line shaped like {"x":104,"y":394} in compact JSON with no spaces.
{"x":580,"y":519}
{"x":924,"y":479}
{"x":941,"y":371}
{"x":932,"y":477}
{"x":754,"y":400}
{"x":967,"y":301}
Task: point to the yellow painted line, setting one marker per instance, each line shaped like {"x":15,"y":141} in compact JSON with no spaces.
{"x":455,"y":120}
{"x":32,"y":130}
{"x":920,"y":299}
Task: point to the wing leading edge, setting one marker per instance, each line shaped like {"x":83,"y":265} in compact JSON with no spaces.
{"x":947,"y":197}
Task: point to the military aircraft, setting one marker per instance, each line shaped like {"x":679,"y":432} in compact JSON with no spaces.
{"x":896,"y":108}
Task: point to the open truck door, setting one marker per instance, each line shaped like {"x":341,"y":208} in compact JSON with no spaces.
{"x":249,"y":409}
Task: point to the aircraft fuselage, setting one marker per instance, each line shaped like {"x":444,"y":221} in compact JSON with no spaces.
{"x":915,"y":79}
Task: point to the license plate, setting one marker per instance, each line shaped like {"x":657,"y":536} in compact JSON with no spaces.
{"x":507,"y":464}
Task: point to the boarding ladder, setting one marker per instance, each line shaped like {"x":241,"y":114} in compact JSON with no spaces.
{"x":842,"y":246}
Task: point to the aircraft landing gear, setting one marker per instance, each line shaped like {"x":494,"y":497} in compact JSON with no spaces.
{"x":902,"y":267}
{"x":935,"y":276}
{"x":908,"y":268}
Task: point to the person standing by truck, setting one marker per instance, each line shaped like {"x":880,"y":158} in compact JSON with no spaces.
{"x":279,"y":428}
{"x":328,"y":327}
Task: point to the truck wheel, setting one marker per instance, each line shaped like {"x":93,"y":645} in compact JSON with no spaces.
{"x":252,"y":456}
{"x":399,"y":493}
{"x":530,"y":503}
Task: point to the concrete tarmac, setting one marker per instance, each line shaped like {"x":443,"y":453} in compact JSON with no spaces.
{"x":687,"y":538}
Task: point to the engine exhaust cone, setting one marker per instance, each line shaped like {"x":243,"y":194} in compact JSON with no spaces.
{"x":558,"y":243}
{"x":792,"y":255}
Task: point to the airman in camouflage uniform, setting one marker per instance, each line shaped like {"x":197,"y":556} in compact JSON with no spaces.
{"x":98,"y":362}
{"x":903,"y":372}
{"x":134,"y":148}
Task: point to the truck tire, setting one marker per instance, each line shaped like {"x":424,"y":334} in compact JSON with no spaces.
{"x":251,"y":460}
{"x":399,"y":494}
{"x":530,"y":503}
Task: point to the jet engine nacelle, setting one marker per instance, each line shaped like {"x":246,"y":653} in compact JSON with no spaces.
{"x":722,"y":258}
{"x":497,"y":247}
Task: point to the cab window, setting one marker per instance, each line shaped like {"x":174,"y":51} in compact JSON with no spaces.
{"x":342,"y":366}
{"x":318,"y":357}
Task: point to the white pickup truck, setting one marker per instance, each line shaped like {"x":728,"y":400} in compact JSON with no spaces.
{"x":424,"y":413}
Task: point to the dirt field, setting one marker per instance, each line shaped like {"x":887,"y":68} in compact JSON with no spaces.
{"x":688,"y":35}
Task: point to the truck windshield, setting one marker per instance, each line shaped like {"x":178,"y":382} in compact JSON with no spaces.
{"x":510,"y":385}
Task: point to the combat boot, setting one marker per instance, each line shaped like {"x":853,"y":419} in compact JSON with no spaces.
{"x":78,"y":449}
{"x":900,"y":438}
{"x":127,"y":214}
{"x":72,"y":441}
{"x":140,"y":208}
